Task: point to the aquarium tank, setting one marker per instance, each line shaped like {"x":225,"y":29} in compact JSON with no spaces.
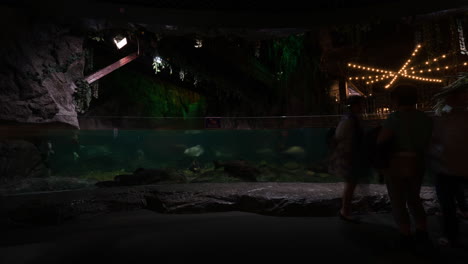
{"x":101,"y":104}
{"x":77,"y":159}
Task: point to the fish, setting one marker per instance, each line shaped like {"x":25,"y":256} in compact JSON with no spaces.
{"x":195,"y":151}
{"x":295,"y":151}
{"x":220,"y":154}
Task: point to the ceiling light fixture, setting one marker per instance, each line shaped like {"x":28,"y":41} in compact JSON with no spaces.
{"x":120,"y":41}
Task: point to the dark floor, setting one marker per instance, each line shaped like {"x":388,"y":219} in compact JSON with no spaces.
{"x":134,"y":236}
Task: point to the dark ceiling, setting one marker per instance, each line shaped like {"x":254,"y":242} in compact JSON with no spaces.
{"x":236,"y":13}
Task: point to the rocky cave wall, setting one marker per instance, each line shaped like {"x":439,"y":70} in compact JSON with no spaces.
{"x":40,"y":63}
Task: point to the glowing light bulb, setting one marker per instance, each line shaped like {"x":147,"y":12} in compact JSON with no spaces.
{"x":120,"y":41}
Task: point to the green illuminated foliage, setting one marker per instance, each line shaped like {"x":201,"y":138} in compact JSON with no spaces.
{"x":286,"y":53}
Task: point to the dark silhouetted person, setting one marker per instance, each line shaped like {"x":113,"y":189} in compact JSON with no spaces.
{"x":347,"y":159}
{"x":449,"y":150}
{"x":409,"y":131}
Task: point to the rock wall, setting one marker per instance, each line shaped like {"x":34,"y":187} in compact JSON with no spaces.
{"x":20,"y":159}
{"x":267,"y":198}
{"x":40,"y":64}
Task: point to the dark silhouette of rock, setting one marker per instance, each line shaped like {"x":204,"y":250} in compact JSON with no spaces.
{"x":143,"y":176}
{"x":107,"y":184}
{"x":20,"y":159}
{"x":239,"y":168}
{"x":277,"y":199}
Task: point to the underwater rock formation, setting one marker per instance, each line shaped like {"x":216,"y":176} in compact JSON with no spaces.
{"x":239,"y":168}
{"x":20,"y":159}
{"x":143,"y":176}
{"x":42,"y":63}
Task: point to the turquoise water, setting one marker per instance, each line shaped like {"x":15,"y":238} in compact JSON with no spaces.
{"x":81,"y":158}
{"x":76,"y":153}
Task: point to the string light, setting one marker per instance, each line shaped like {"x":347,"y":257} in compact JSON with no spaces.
{"x":402,"y":68}
{"x":423,"y":78}
{"x":366,"y":76}
{"x":431,"y":60}
{"x":402,"y":71}
{"x":366,"y":68}
{"x":438,"y":68}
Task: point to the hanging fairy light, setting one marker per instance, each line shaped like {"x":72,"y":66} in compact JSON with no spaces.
{"x":368,"y":68}
{"x":402,"y":72}
{"x":444,"y":67}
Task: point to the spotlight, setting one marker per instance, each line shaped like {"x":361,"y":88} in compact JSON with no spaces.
{"x":198,"y":43}
{"x":120,"y":41}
